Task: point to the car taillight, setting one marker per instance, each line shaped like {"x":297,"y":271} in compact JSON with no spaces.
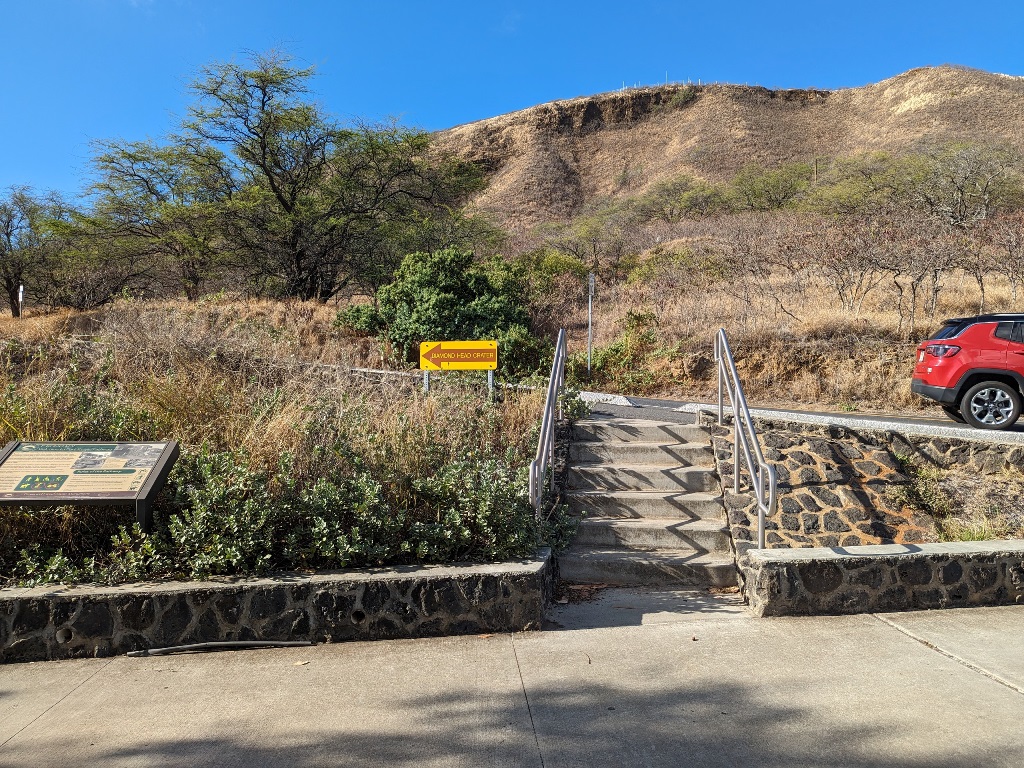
{"x":941,"y":350}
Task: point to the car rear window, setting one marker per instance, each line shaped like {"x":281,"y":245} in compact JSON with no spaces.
{"x":948,"y":331}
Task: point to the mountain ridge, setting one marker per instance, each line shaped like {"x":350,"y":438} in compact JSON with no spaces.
{"x":548,"y":161}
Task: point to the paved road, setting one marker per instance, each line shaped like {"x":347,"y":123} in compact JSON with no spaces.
{"x":636,"y":678}
{"x":657,"y":409}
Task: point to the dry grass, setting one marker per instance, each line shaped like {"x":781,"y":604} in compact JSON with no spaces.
{"x":794,"y":347}
{"x":236,"y":375}
{"x":967,"y":506}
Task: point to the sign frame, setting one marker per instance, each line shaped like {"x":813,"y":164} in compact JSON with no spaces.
{"x":480,"y":348}
{"x":142,"y":500}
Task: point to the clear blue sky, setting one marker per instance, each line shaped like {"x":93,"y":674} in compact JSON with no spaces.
{"x":77,"y":70}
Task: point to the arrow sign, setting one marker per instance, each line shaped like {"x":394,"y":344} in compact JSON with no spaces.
{"x":458,"y":355}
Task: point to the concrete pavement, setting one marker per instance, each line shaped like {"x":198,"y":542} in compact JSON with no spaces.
{"x":933,"y":425}
{"x":633,"y":678}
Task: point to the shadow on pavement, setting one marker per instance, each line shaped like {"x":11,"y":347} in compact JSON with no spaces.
{"x":583,"y":724}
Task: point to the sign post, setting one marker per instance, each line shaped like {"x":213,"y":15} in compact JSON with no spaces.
{"x":590,"y":322}
{"x":459,"y":356}
{"x":119,"y":474}
{"x":21,"y":300}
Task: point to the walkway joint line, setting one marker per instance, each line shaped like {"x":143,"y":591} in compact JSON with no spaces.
{"x":58,"y":701}
{"x":959,"y":660}
{"x":529,"y":709}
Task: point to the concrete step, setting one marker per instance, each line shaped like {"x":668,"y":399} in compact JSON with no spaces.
{"x":641,"y":477}
{"x":639,"y":430}
{"x":659,"y":454}
{"x":662,"y":568}
{"x":646,"y":535}
{"x":670,"y":505}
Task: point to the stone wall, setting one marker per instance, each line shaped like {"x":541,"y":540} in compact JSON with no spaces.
{"x":71,"y":622}
{"x":835,"y":482}
{"x":985,"y":456}
{"x":871,"y":579}
{"x":832,"y":491}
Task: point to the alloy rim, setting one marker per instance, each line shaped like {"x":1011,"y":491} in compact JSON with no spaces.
{"x":991,"y":406}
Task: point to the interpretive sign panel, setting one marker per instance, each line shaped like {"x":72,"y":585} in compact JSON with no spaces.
{"x":458,"y":355}
{"x":46,"y":474}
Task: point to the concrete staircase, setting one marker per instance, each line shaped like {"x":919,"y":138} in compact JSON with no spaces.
{"x":651,"y":505}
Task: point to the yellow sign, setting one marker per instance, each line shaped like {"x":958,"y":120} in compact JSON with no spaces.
{"x":458,"y":355}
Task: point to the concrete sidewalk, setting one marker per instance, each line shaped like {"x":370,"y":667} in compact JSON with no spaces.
{"x":633,"y":678}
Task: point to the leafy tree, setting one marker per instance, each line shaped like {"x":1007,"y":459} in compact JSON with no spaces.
{"x":600,"y":237}
{"x":19,"y":243}
{"x":316,"y":203}
{"x":759,"y":189}
{"x":165,"y":201}
{"x":683,"y":197}
{"x":963,"y":184}
{"x":26,"y":242}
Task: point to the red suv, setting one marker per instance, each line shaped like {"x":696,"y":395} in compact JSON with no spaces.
{"x":974,"y":367}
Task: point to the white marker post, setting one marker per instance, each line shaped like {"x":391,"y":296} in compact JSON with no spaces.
{"x":21,"y":300}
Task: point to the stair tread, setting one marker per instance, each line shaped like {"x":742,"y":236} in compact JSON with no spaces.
{"x":618,"y":431}
{"x":655,"y":522}
{"x":650,"y":493}
{"x":633,"y":423}
{"x":645,"y":443}
{"x":656,"y":467}
{"x":688,"y":556}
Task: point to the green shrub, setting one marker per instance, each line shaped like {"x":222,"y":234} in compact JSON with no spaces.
{"x":446,"y":295}
{"x":359,"y":317}
{"x":627,"y":364}
{"x":682,"y":97}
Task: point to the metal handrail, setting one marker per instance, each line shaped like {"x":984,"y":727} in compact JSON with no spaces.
{"x":546,"y":443}
{"x":762,"y":474}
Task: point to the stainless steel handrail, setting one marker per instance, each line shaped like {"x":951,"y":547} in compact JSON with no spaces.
{"x":546,"y":443}
{"x":762,"y":474}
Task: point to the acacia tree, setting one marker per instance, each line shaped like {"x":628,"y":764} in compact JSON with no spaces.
{"x":25,"y":242}
{"x":760,"y":189}
{"x":314,"y":202}
{"x":163,"y":203}
{"x":843,"y":254}
{"x":964,"y":184}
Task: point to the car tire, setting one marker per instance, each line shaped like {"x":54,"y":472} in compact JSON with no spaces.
{"x":954,"y":414}
{"x":991,"y":405}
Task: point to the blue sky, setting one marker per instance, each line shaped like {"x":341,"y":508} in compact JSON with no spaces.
{"x":78,"y":70}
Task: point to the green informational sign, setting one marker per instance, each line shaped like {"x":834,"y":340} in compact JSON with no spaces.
{"x":47,"y":474}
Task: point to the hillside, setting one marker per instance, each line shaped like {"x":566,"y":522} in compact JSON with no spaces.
{"x":546,"y":161}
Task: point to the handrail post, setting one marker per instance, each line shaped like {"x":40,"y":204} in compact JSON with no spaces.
{"x":735,"y":456}
{"x":721,"y":369}
{"x":763,"y":478}
{"x":545,"y":457}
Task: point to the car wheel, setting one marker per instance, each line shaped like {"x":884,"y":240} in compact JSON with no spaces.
{"x":991,"y":405}
{"x":953,"y":413}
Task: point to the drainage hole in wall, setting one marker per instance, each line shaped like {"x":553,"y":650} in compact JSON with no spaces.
{"x":63,"y":635}
{"x":358,"y":617}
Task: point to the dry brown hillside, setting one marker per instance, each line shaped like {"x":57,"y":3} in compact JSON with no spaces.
{"x":546,"y":161}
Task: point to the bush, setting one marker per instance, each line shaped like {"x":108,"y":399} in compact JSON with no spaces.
{"x":626,"y":364}
{"x":446,"y":295}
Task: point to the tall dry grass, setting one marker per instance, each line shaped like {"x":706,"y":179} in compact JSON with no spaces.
{"x":793,"y":342}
